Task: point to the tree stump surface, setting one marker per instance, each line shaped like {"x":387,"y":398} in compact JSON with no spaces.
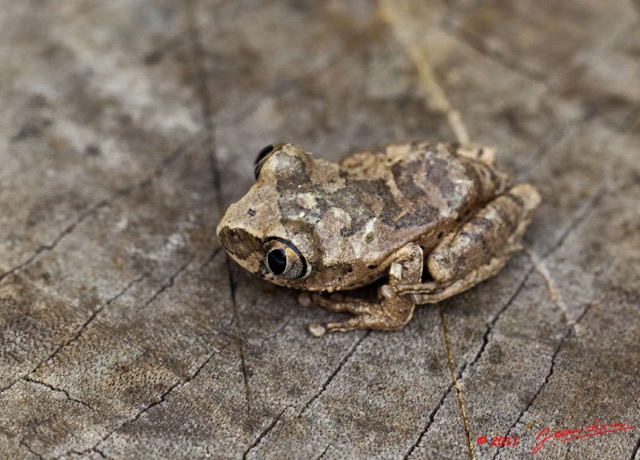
{"x":126,"y":127}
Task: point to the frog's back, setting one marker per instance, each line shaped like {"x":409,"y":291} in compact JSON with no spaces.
{"x":429,"y":187}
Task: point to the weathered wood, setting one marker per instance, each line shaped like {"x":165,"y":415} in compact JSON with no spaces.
{"x":126,"y":125}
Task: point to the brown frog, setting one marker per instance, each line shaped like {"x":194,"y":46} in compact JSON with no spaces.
{"x":435,"y":219}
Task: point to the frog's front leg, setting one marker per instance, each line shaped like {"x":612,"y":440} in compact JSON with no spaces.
{"x":392,"y":312}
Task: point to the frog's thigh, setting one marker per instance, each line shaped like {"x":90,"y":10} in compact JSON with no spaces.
{"x":392,"y":312}
{"x":437,"y":292}
{"x":494,"y":230}
{"x":481,"y":247}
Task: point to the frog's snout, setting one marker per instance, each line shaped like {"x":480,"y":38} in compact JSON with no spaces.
{"x":238,"y":242}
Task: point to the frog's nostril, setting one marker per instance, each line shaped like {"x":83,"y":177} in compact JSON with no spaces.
{"x":277,"y":261}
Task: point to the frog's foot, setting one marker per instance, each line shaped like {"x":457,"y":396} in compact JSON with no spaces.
{"x":367,"y":315}
{"x":388,"y":314}
{"x":435,"y":292}
{"x":393,"y":311}
{"x":335,"y":303}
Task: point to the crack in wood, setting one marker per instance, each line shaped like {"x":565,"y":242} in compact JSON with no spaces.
{"x":163,"y":397}
{"x":86,"y":324}
{"x":169,"y":283}
{"x":204,"y":96}
{"x":579,"y":216}
{"x":471,"y":363}
{"x":263,"y":433}
{"x":568,"y":333}
{"x":203,"y":92}
{"x":324,"y":452}
{"x":537,"y":393}
{"x":450,"y":24}
{"x":428,"y":424}
{"x":28,"y":447}
{"x":153,"y":404}
{"x":455,"y":382}
{"x":634,"y":454}
{"x":132,"y":420}
{"x":59,"y":390}
{"x":91,"y":211}
{"x":605,"y":47}
{"x":335,"y":372}
{"x":485,"y":338}
{"x":496,"y":317}
{"x":240,"y":339}
{"x":77,"y":334}
{"x":8,"y":387}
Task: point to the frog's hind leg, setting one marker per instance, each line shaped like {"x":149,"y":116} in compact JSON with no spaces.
{"x":480,"y":248}
{"x":393,"y":311}
{"x":435,"y":292}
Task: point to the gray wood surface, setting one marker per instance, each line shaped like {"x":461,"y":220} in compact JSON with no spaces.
{"x":126,"y":126}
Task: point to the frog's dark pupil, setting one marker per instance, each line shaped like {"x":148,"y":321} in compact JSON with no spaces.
{"x":263,"y":153}
{"x":277,"y":260}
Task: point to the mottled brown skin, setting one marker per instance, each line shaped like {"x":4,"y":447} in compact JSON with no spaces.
{"x":435,"y":219}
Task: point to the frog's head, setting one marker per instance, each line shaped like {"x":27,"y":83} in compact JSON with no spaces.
{"x":269,"y":231}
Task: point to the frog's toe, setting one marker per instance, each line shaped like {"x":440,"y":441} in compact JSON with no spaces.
{"x":317,"y":329}
{"x":305,"y":299}
{"x":363,"y":320}
{"x":353,"y":306}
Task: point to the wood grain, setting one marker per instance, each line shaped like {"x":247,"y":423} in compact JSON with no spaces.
{"x":127,"y":126}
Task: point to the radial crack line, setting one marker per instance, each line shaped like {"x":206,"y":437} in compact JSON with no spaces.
{"x":152,"y":404}
{"x":263,"y":433}
{"x":634,"y":455}
{"x":203,"y":92}
{"x":579,"y":216}
{"x":92,"y":210}
{"x":567,"y":334}
{"x":455,"y":382}
{"x":335,"y":372}
{"x":169,"y":283}
{"x":427,"y":425}
{"x":59,"y":390}
{"x":86,"y":324}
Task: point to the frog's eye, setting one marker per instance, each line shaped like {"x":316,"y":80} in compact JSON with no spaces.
{"x":263,"y":155}
{"x":283,"y":259}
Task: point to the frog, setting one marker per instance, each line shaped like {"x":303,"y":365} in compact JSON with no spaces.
{"x":429,"y":219}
